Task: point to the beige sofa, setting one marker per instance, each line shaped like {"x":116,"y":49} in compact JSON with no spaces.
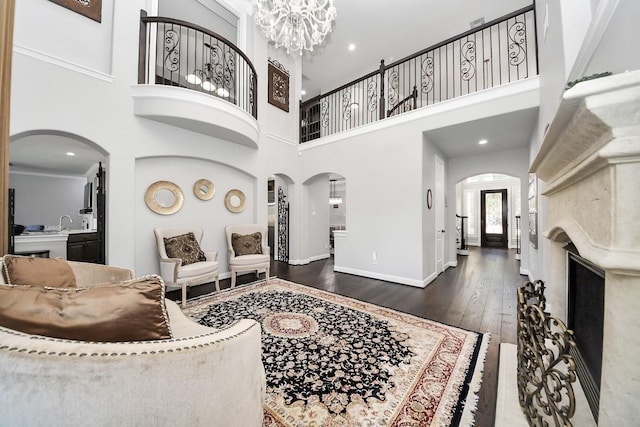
{"x":200,"y":377}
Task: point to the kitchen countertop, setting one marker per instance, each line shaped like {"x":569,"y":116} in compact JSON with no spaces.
{"x":50,"y":235}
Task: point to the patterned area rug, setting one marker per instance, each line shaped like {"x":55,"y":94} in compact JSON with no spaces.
{"x":335,"y":361}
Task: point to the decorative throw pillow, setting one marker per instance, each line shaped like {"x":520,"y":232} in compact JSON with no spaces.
{"x":185,"y":247}
{"x":246,"y":244}
{"x":132,"y":310}
{"x":52,"y":272}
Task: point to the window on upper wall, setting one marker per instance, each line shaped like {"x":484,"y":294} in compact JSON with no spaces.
{"x":470,"y":211}
{"x":488,"y":177}
{"x":206,"y":13}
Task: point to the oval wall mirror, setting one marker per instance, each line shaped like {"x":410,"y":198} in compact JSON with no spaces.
{"x":235,"y":201}
{"x":204,"y":189}
{"x":164,"y":197}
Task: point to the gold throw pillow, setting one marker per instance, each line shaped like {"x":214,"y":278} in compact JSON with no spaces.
{"x":133,"y":310}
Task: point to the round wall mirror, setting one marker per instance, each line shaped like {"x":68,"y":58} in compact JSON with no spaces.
{"x":204,"y":189}
{"x":164,"y":197}
{"x":235,"y":201}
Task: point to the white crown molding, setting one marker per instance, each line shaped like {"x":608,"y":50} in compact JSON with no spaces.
{"x":41,"y":56}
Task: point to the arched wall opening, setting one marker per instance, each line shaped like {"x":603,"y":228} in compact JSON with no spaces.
{"x":514,"y":163}
{"x":53,"y":175}
{"x":280,"y":194}
{"x":468,"y":206}
{"x":323,"y":213}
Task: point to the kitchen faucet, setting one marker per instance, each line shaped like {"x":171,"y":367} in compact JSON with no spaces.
{"x":60,"y":224}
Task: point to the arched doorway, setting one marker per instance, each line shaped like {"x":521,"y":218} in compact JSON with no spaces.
{"x":58,"y":177}
{"x":490,"y":206}
{"x":278,"y":216}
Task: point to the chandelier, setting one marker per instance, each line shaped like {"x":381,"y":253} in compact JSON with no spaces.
{"x":296,"y":25}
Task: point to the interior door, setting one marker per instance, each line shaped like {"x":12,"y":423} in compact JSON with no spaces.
{"x":438,"y":204}
{"x":494,"y":215}
{"x":101,"y":198}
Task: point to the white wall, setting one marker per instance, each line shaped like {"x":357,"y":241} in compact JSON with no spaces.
{"x":206,"y":13}
{"x":43,"y":199}
{"x":316,"y":192}
{"x":62,"y":34}
{"x":383,"y":171}
{"x":211,"y":215}
{"x":612,"y":52}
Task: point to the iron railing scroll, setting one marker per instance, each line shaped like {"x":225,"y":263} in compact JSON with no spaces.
{"x":546,"y":369}
{"x":499,"y":52}
{"x":178,"y":53}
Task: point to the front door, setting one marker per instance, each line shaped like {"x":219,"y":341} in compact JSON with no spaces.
{"x":493,"y":206}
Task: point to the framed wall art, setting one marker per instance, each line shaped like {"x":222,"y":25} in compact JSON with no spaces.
{"x":89,"y":8}
{"x":278,"y":85}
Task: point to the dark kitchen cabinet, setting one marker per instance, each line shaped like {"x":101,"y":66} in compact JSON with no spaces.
{"x":83,"y":247}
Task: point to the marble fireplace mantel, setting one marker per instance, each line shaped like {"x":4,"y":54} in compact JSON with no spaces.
{"x":590,"y":162}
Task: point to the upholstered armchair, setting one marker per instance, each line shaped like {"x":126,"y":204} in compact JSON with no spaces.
{"x":199,"y":377}
{"x":248,"y":249}
{"x":182,"y":262}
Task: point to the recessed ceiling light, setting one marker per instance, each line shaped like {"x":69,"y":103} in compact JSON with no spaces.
{"x":303,"y":92}
{"x":352,"y":47}
{"x":482,"y":141}
{"x":69,"y":153}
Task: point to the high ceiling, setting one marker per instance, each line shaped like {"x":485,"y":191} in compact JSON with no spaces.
{"x":379,"y":29}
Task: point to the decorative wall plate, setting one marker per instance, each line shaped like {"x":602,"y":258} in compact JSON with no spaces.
{"x":164,"y":197}
{"x":204,"y":189}
{"x":235,"y":201}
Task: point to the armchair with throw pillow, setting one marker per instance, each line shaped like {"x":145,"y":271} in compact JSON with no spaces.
{"x":248,"y":249}
{"x":88,"y":344}
{"x":182,"y":262}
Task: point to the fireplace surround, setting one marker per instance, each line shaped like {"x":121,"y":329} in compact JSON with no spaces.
{"x":589,"y":161}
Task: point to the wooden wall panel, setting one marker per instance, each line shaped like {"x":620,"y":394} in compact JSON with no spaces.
{"x":7,"y":8}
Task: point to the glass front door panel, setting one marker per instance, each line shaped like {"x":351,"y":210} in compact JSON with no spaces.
{"x":493,"y":214}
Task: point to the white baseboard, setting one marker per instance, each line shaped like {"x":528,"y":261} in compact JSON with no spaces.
{"x":385,"y":277}
{"x":308,"y":260}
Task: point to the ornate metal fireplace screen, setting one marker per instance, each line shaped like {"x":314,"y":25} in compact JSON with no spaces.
{"x":546,"y":370}
{"x":499,"y":52}
{"x":177,"y":53}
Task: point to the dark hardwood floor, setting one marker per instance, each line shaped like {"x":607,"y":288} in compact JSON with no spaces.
{"x":479,"y":294}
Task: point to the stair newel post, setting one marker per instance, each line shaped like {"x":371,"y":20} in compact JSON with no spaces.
{"x":382,"y":107}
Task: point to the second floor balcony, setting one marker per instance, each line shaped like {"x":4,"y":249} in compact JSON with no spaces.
{"x":193,"y":78}
{"x":494,"y":54}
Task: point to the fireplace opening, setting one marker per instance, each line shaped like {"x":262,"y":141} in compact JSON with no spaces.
{"x":586,"y":318}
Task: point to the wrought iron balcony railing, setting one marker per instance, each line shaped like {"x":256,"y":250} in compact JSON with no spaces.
{"x":177,"y":53}
{"x":496,"y":53}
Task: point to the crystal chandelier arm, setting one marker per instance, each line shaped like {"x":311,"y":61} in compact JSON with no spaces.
{"x":295,"y":24}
